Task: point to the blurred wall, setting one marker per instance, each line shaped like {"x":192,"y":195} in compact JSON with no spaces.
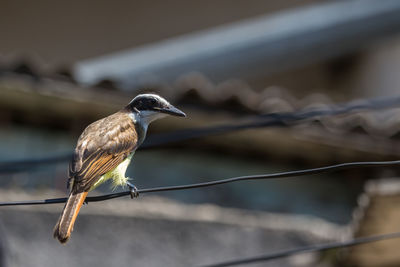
{"x":61,"y":32}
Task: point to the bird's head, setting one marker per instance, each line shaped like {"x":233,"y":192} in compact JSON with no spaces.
{"x":149,"y":107}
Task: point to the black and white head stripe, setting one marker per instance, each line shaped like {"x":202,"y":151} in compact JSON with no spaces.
{"x":146,"y":104}
{"x":149,"y":102}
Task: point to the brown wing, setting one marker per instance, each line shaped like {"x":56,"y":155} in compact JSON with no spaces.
{"x":102,"y":146}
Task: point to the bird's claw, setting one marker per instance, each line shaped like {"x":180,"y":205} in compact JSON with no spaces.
{"x":133,"y":190}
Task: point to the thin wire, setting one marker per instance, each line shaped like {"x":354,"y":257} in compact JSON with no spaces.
{"x":307,"y":249}
{"x":273,"y":120}
{"x":284,"y":119}
{"x":216,"y":182}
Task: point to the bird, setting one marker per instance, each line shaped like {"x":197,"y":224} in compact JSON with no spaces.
{"x":105,"y":149}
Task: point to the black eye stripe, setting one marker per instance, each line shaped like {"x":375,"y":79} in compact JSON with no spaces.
{"x":148,"y":103}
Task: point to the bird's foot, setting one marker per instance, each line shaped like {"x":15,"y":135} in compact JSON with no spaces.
{"x":133,"y":190}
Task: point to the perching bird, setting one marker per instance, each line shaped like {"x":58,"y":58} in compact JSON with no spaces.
{"x":104,"y":151}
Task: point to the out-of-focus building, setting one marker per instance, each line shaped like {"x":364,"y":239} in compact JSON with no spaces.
{"x":66,"y":64}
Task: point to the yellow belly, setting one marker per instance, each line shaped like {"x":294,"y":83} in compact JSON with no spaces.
{"x":117,"y":175}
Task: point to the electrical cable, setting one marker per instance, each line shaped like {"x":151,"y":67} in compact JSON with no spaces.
{"x":287,"y":174}
{"x":306,"y":249}
{"x":267,"y":120}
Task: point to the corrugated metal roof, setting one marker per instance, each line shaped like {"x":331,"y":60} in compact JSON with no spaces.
{"x":196,"y":89}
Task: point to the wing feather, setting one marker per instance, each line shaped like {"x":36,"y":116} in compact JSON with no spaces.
{"x":102,"y":146}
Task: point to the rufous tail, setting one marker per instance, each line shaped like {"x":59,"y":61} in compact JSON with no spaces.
{"x":65,"y":224}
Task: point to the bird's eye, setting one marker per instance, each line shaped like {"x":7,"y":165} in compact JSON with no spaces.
{"x":153,"y":101}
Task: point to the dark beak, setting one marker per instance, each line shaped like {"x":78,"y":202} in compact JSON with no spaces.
{"x":171,"y":110}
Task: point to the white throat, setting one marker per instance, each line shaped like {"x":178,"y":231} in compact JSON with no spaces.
{"x":144,"y":118}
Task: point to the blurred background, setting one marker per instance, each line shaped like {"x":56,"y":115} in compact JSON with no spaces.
{"x":64,"y":65}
